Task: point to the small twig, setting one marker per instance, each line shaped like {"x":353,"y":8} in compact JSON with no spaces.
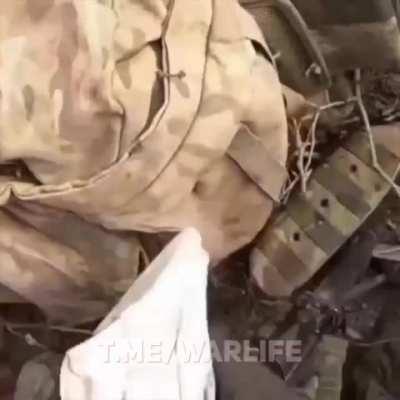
{"x":27,"y":338}
{"x":50,"y":327}
{"x":300,"y":145}
{"x":367,"y":125}
{"x":276,"y":56}
{"x":352,"y":120}
{"x":288,"y":189}
{"x":70,"y":330}
{"x":305,"y":149}
{"x":304,"y":153}
{"x":180,"y":75}
{"x":145,"y":257}
{"x":390,"y":110}
{"x":337,"y":104}
{"x":312,"y":135}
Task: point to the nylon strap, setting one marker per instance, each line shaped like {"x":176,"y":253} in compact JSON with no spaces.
{"x":249,"y":152}
{"x":342,"y":194}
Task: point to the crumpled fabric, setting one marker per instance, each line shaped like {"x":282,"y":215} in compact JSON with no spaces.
{"x":123,"y":112}
{"x":75,"y":271}
{"x":116,"y":116}
{"x":155,"y":343}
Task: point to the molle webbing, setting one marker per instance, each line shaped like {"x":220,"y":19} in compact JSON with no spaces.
{"x":341,"y":194}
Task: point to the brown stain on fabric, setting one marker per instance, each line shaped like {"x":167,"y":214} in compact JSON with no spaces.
{"x":215,"y":104}
{"x":182,"y":87}
{"x":29,"y":101}
{"x":123,"y":70}
{"x":139,"y":37}
{"x":176,"y":126}
{"x":38,"y":8}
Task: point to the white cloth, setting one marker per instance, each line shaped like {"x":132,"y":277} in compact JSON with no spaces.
{"x":155,"y":344}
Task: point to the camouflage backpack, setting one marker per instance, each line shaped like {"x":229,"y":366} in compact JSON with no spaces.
{"x":129,"y":115}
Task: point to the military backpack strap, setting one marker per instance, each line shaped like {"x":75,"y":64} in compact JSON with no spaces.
{"x":366,"y":32}
{"x":298,"y":57}
{"x":249,"y":152}
{"x":341,"y":194}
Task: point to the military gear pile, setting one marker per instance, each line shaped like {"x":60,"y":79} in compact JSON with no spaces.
{"x":123,"y":122}
{"x":311,"y":41}
{"x":122,"y":113}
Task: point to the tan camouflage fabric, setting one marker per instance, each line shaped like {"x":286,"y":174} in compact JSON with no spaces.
{"x":121,"y":113}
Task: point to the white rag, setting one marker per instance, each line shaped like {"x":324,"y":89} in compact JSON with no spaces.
{"x":154,"y":345}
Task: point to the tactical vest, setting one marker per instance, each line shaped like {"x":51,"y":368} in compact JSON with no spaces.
{"x":314,"y":40}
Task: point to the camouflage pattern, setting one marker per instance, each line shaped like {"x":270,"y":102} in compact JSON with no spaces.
{"x":123,"y":112}
{"x":341,"y":194}
{"x":74,"y":270}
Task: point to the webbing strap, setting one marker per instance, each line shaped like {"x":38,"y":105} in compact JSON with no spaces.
{"x":249,"y":152}
{"x":342,"y":193}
